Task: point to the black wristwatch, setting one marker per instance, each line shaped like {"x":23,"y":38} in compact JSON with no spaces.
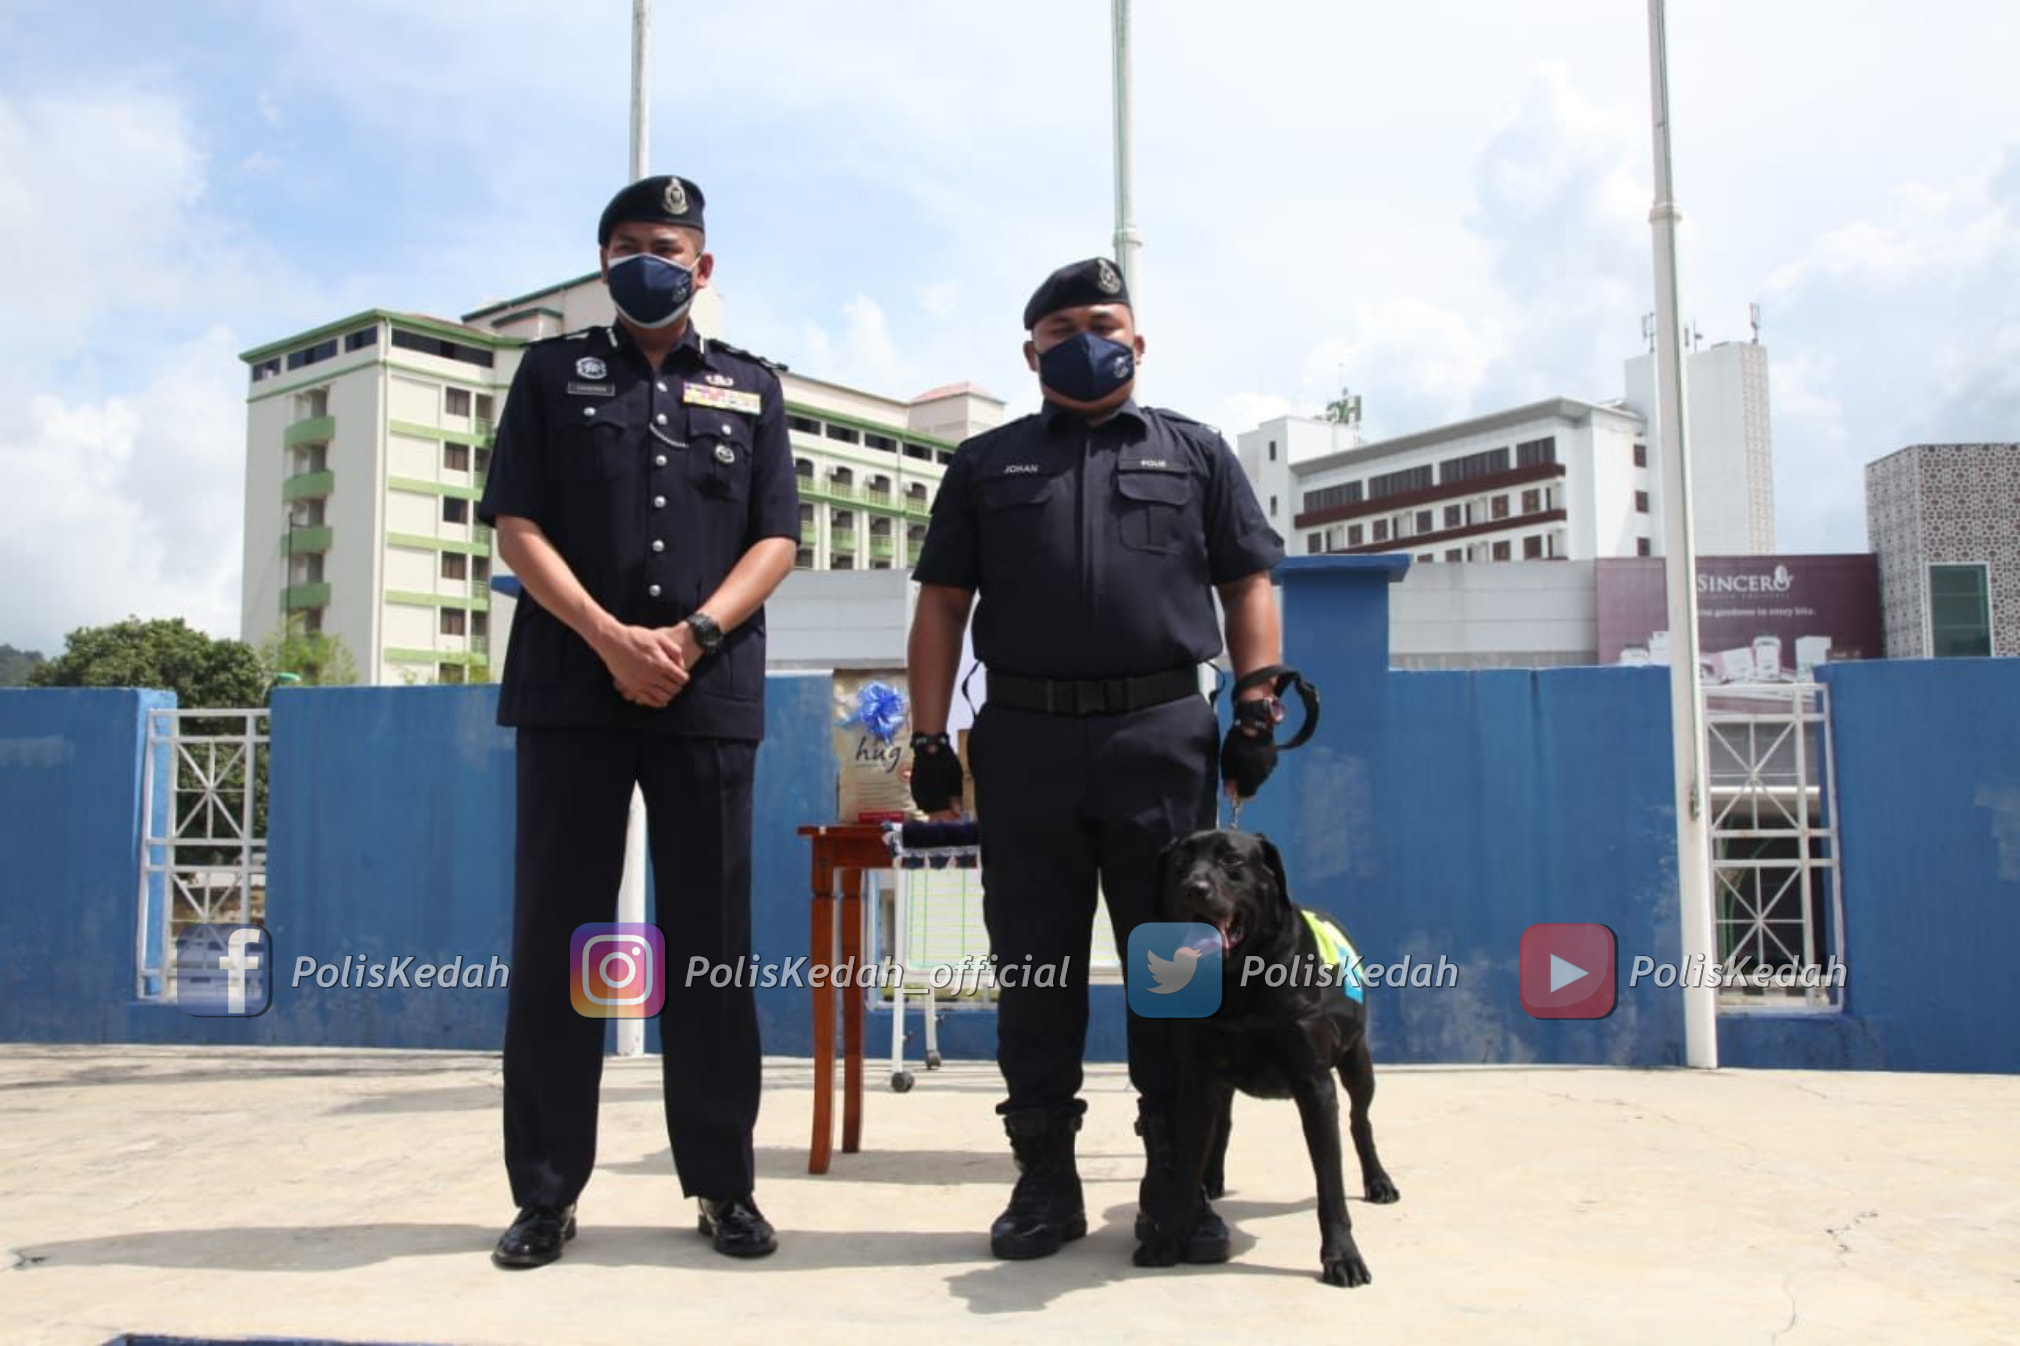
{"x":706,"y":633}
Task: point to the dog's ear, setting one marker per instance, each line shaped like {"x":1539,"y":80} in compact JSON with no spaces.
{"x":1275,"y":861}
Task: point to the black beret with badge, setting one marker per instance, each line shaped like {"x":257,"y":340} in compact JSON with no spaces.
{"x":1094,"y":281}
{"x":660,"y":200}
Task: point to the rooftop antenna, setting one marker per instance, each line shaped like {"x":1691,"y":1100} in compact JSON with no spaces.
{"x":1753,"y":318}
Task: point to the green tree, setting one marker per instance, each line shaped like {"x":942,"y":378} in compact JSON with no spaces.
{"x":18,"y":666}
{"x":201,"y":670}
{"x":311,"y":660}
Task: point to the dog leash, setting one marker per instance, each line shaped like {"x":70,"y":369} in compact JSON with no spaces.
{"x":1279,"y":677}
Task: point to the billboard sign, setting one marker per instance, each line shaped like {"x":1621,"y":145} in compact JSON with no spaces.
{"x":1759,"y":618}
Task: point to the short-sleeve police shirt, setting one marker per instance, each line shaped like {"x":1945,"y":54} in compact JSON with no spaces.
{"x":1093,"y":549}
{"x":651,"y":485}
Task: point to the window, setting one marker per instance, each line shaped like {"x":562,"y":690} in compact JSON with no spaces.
{"x":944,"y":456}
{"x":449,"y":673}
{"x":455,"y":510}
{"x":806,"y":515}
{"x":1424,"y":517}
{"x":1273,"y":507}
{"x":1536,"y":452}
{"x":879,"y":487}
{"x":1473,"y":466}
{"x":1532,"y":548}
{"x":1641,"y":547}
{"x":880,"y":525}
{"x":1455,"y":516}
{"x":915,"y":534}
{"x":456,"y":401}
{"x":884,"y":442}
{"x":312,"y":621}
{"x":363,"y":337}
{"x":1532,"y":501}
{"x":1353,"y":535}
{"x":487,"y":407}
{"x":841,"y":476}
{"x":1500,"y":507}
{"x":803,"y":559}
{"x":480,"y":569}
{"x":266,"y":369}
{"x":1314,"y":544}
{"x":456,"y":457}
{"x":1273,"y":458}
{"x":454,"y":620}
{"x":1641,"y":502}
{"x":482,"y":461}
{"x":844,"y":434}
{"x":436,"y":346}
{"x":1398,"y":483}
{"x":916,"y":492}
{"x":803,"y":425}
{"x":310,"y":355}
{"x":1501,"y":550}
{"x":480,"y":624}
{"x":1455,"y":554}
{"x":1332,"y":497}
{"x":1381,"y":530}
{"x":1960,"y":613}
{"x":921,"y":452}
{"x":1427,"y":557}
{"x":880,"y":564}
{"x":455,"y":566}
{"x":842,"y":561}
{"x":1641,"y":455}
{"x":803,"y":468}
{"x":844,"y":521}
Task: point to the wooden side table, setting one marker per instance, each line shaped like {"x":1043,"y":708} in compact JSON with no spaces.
{"x":844,"y":851}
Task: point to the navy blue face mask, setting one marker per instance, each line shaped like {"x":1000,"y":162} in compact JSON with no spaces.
{"x":651,"y":291}
{"x":1086,"y":367}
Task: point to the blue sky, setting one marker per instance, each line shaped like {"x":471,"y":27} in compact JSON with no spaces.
{"x":1444,"y":204}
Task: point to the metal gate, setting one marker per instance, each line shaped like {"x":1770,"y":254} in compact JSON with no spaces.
{"x":203,"y":854}
{"x":1775,"y":880}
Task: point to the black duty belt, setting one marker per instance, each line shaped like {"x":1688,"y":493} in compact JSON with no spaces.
{"x":1092,"y":696}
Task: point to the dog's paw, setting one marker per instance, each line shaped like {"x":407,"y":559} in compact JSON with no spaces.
{"x":1346,"y":1270}
{"x":1157,"y":1252}
{"x":1380,"y":1191}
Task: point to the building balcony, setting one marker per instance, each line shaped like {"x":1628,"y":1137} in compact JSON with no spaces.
{"x":313,"y":595}
{"x":880,"y":547}
{"x":810,"y":534}
{"x":314,"y":430}
{"x":301,"y":541}
{"x":841,"y":539}
{"x":308,"y":485}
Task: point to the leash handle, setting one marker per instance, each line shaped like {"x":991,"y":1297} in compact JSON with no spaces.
{"x":1279,"y":677}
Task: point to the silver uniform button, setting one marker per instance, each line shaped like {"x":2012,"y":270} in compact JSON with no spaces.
{"x":659,"y":502}
{"x":589,"y":411}
{"x":728,"y":429}
{"x":653,"y":590}
{"x":657,"y":545}
{"x":661,"y":418}
{"x":659,"y":460}
{"x":660,"y":386}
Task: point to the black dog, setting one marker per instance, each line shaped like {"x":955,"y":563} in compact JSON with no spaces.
{"x":1284,"y":1041}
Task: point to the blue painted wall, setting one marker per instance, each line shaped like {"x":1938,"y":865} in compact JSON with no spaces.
{"x":1928,"y":769}
{"x":1438,"y":814}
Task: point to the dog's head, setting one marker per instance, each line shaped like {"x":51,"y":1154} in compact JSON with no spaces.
{"x":1233,"y":881}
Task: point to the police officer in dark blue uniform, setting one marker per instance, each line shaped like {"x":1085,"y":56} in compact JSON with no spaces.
{"x":1091,"y":539}
{"x":643,"y":492}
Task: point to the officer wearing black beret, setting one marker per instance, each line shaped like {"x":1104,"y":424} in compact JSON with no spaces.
{"x":643,"y":492}
{"x":1090,"y":539}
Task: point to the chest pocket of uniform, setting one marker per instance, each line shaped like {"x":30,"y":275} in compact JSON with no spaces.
{"x":595,"y":448}
{"x":718,"y":454}
{"x":1152,"y":508}
{"x":1017,"y":490}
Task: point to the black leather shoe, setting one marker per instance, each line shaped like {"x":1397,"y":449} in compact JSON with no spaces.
{"x":1045,"y":1210}
{"x":736,"y":1227}
{"x":535,"y":1238}
{"x":1209,"y":1240}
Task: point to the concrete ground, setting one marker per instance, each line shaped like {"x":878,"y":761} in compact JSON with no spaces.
{"x":355,"y":1195}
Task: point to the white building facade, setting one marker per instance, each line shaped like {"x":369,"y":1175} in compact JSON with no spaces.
{"x":1560,"y":479}
{"x":367,"y":443}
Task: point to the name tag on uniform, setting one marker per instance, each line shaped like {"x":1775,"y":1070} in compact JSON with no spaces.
{"x":593,"y":389}
{"x":722,"y":399}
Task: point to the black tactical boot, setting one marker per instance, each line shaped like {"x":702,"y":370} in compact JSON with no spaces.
{"x":1208,"y":1241}
{"x":1045,"y":1208}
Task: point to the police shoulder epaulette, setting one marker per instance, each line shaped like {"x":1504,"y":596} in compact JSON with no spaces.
{"x":775,"y":366}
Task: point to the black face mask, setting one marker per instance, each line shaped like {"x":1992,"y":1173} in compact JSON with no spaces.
{"x":1086,"y":367}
